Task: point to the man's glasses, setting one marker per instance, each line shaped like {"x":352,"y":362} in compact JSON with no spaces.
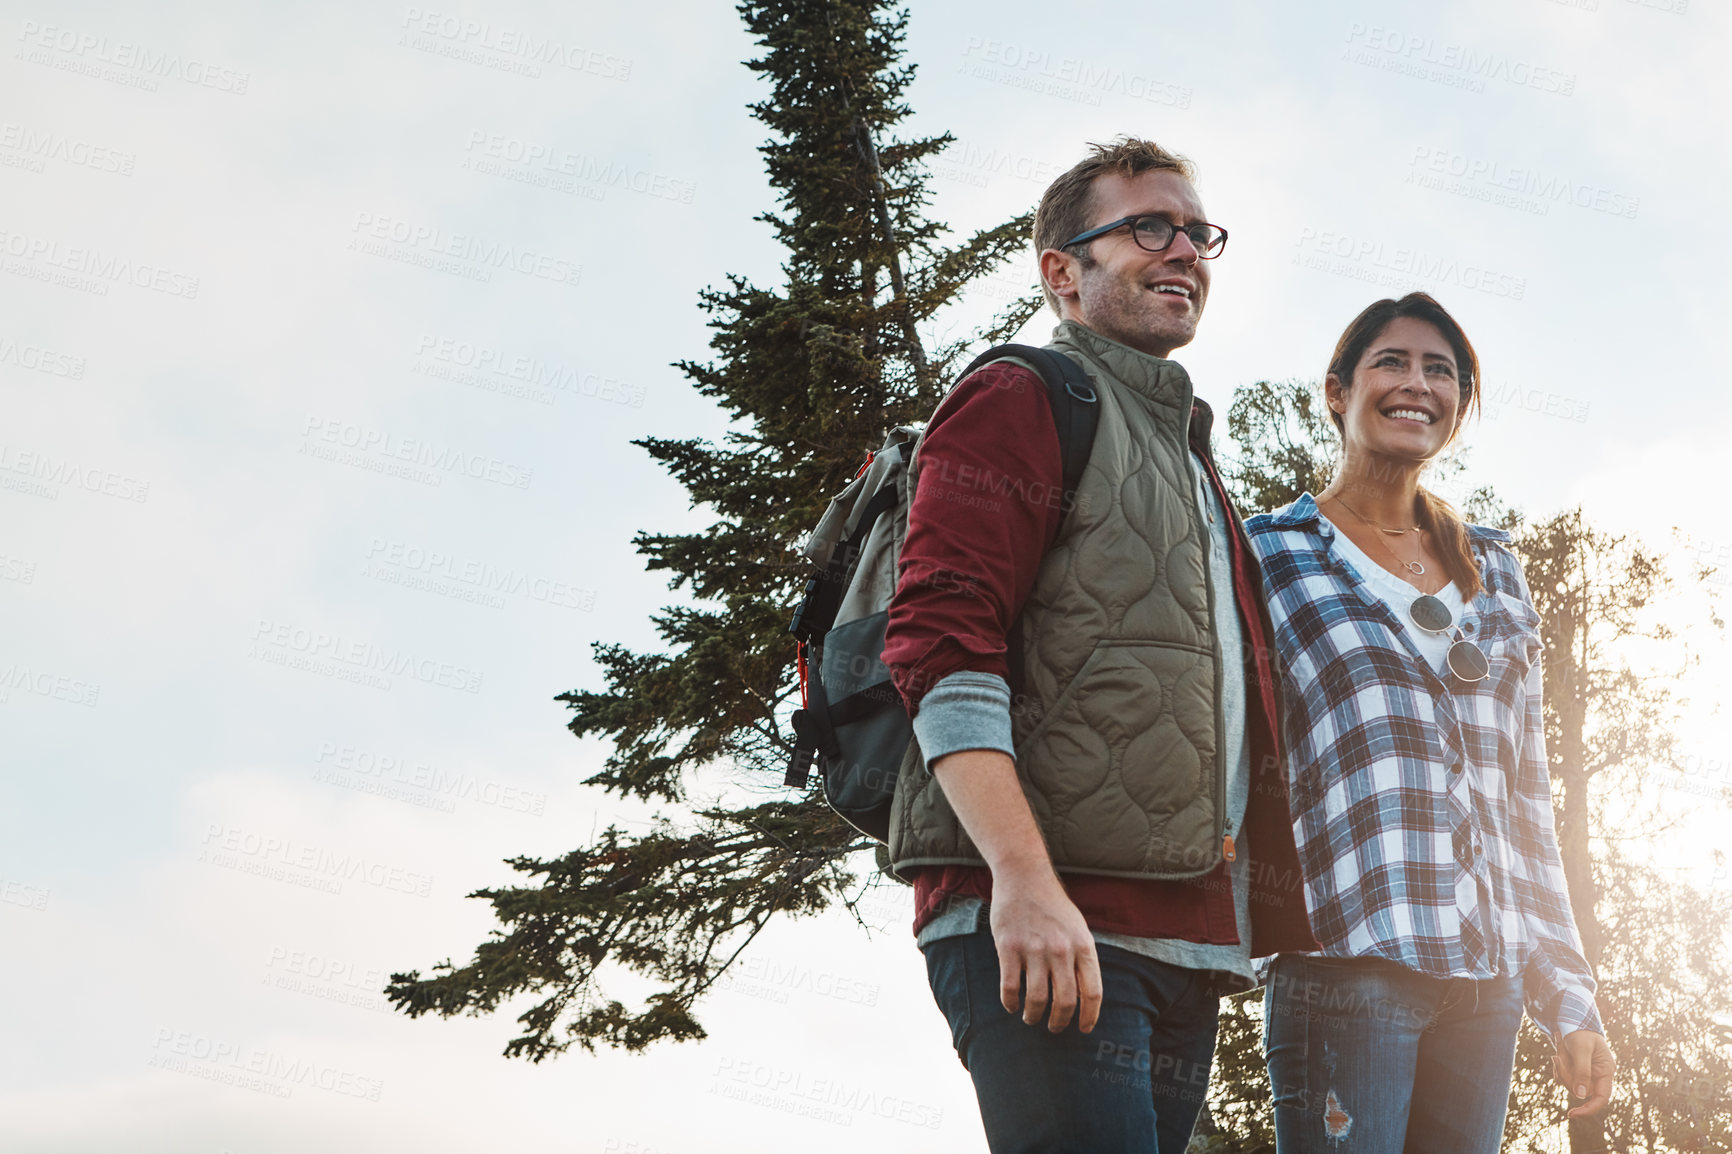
{"x":1464,"y":658}
{"x":1156,"y":233}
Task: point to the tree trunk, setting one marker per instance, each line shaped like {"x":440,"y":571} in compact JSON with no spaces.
{"x":1570,"y":778}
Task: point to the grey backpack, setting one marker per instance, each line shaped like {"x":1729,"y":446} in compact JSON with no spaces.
{"x":852,"y":723}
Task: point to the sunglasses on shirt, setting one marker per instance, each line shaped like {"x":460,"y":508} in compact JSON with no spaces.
{"x":1464,"y":658}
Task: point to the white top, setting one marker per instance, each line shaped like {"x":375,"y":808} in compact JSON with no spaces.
{"x":1400,"y":596}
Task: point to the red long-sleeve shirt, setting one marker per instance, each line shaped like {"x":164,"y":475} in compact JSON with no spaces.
{"x":987,"y":508}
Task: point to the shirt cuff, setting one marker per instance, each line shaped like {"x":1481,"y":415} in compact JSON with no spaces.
{"x":1567,"y":1004}
{"x":1576,"y":1011}
{"x":964,"y":711}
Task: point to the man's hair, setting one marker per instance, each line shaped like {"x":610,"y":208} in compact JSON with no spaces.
{"x":1068,"y":201}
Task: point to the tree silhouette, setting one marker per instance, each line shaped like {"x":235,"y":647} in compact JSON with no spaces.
{"x":813,"y":373}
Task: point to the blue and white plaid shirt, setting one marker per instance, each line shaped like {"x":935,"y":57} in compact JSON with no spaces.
{"x":1422,"y":803}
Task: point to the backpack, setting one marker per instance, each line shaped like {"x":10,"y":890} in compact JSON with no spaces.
{"x":852,"y":722}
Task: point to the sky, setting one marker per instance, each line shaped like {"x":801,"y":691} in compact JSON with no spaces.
{"x":326,"y":331}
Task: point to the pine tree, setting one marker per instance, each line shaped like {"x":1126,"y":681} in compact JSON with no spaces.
{"x":813,"y":373}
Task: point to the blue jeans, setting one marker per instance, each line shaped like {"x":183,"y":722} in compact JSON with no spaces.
{"x":1133,"y":1085}
{"x":1366,"y":1055}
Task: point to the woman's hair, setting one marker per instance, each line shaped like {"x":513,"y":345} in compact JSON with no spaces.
{"x":1435,"y":514}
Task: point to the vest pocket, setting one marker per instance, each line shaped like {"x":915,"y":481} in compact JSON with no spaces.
{"x":1121,"y":768}
{"x":1124,"y":687}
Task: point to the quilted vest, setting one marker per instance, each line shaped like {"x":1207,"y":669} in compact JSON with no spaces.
{"x":1114,"y":663}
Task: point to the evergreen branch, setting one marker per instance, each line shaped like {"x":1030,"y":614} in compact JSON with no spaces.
{"x":664,"y":905}
{"x":1010,"y":320}
{"x":951,"y":270}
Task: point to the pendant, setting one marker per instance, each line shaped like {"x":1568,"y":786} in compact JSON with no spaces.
{"x":1415,"y":568}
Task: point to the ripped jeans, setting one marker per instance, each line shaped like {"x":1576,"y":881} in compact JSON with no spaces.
{"x":1367,"y":1056}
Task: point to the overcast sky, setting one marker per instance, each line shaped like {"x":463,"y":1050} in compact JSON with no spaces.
{"x":308,"y":509}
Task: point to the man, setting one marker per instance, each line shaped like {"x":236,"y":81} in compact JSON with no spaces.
{"x":1109,"y":846}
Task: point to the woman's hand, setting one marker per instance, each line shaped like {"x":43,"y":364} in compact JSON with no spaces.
{"x":1585,"y":1065}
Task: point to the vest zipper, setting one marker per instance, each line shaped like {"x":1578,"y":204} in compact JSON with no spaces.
{"x":1199,"y":498}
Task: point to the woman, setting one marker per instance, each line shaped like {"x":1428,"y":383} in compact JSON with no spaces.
{"x":1420,"y":790}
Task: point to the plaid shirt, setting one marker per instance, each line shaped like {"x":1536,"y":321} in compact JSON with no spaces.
{"x":1422,"y":803}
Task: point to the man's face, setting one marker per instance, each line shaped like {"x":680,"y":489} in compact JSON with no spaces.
{"x":1150,"y":301}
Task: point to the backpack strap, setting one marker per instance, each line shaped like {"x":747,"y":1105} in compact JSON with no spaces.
{"x":1076,"y":414}
{"x":1076,"y":411}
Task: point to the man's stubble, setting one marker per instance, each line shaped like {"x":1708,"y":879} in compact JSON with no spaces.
{"x":1120,"y":307}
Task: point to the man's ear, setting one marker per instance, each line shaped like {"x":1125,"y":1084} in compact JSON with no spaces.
{"x":1058,"y":271}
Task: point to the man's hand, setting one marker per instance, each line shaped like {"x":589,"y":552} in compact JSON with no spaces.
{"x":1584,"y":1065}
{"x":1042,"y":940}
{"x":1044,"y":944}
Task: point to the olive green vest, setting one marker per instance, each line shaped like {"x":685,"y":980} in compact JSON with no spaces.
{"x":1115,"y":716}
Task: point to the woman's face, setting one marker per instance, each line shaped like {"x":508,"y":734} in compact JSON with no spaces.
{"x":1405,"y":397}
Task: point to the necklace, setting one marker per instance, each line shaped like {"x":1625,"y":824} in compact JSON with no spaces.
{"x":1375,"y":525}
{"x":1414,"y":567}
